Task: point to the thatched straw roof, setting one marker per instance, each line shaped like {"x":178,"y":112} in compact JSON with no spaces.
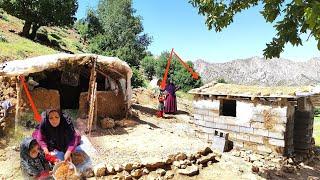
{"x":37,"y":64}
{"x":255,"y":91}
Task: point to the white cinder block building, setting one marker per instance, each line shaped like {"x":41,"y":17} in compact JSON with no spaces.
{"x":264,"y":119}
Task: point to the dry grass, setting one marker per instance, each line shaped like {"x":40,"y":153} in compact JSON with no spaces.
{"x":233,"y":89}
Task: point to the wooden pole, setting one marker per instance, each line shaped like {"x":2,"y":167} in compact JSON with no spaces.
{"x":92,"y":106}
{"x":95,"y":120}
{"x":92,"y":95}
{"x":17,"y":115}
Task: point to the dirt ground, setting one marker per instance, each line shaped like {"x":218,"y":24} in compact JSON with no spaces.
{"x":147,"y":136}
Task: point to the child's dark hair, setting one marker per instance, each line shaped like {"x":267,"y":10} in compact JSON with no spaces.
{"x":33,"y":143}
{"x":159,"y":82}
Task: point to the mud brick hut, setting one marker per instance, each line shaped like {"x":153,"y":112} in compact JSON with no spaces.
{"x":97,"y":86}
{"x":264,"y":119}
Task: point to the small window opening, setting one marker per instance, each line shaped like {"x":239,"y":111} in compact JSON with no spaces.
{"x":228,"y":108}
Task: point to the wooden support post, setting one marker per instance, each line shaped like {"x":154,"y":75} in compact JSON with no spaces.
{"x":92,"y":96}
{"x":95,"y":119}
{"x":92,"y":106}
{"x":17,"y":115}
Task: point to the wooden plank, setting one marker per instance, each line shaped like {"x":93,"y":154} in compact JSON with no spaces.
{"x":17,"y":115}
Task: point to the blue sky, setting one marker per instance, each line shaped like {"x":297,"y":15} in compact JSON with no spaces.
{"x":176,"y":24}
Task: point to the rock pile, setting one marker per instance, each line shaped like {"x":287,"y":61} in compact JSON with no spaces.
{"x":272,"y":161}
{"x":181,"y":163}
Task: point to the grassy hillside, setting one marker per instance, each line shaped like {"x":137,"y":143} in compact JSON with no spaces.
{"x":13,"y":46}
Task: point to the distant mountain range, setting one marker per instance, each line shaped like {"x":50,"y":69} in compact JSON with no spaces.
{"x":259,"y":71}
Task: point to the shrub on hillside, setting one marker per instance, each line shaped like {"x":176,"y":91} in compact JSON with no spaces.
{"x":221,"y":80}
{"x":137,"y":79}
{"x":3,"y":39}
{"x":55,"y":36}
{"x":317,"y":111}
{"x":54,"y":42}
{"x":42,"y":37}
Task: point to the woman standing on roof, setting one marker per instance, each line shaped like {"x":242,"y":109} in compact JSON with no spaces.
{"x":171,"y":101}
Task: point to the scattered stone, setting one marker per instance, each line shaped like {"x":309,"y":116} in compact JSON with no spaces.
{"x":137,"y":173}
{"x":153,"y":164}
{"x":161,"y":172}
{"x":206,"y":159}
{"x":257,"y":163}
{"x":88,"y":173}
{"x":236,"y":153}
{"x":110,"y":169}
{"x":254,"y":157}
{"x":197,"y":156}
{"x":117,"y":177}
{"x":183,"y":166}
{"x":118,"y":168}
{"x":136,"y":165}
{"x":209,"y":163}
{"x":288,"y":169}
{"x":128,"y":167}
{"x":276,"y":160}
{"x":15,"y":148}
{"x":145,"y":171}
{"x":176,"y":164}
{"x":290,"y":161}
{"x":100,"y":170}
{"x":107,"y":123}
{"x":126,"y":175}
{"x":180,"y":156}
{"x":170,"y":159}
{"x":255,"y":169}
{"x":191,"y":157}
{"x":169,"y":175}
{"x":189,"y":171}
{"x":205,"y":151}
{"x":187,"y":162}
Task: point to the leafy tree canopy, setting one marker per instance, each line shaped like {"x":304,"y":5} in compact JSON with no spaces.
{"x":292,"y":19}
{"x":149,"y":64}
{"x":121,"y":33}
{"x":41,"y":13}
{"x":180,"y":76}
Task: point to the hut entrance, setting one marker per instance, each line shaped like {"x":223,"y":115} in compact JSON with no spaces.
{"x":68,"y":84}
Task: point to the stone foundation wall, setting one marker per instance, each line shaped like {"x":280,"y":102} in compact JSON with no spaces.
{"x":258,"y":127}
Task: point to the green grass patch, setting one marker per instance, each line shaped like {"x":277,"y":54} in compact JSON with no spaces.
{"x":19,"y":48}
{"x":316,"y":130}
{"x":184,"y":95}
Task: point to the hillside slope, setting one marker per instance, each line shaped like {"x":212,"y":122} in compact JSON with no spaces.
{"x":258,"y":71}
{"x":14,"y":46}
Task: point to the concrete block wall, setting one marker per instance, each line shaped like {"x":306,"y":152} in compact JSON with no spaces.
{"x":258,"y":127}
